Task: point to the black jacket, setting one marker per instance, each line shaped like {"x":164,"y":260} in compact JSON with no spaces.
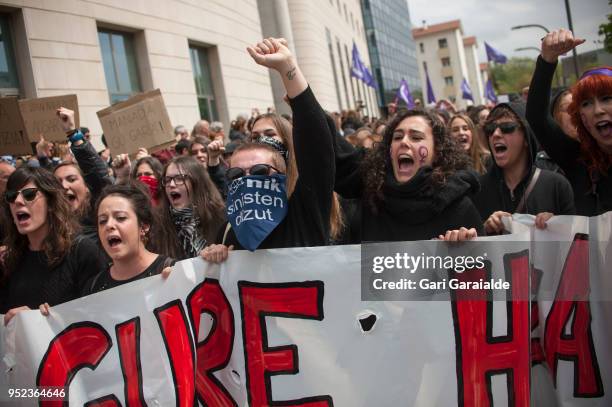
{"x":307,"y":220}
{"x":592,"y":193}
{"x":95,"y":173}
{"x":33,"y":282}
{"x":551,"y":193}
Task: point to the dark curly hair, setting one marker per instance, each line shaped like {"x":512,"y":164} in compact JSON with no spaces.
{"x":448,"y":157}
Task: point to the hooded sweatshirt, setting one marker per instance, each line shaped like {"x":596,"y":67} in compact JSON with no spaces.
{"x":551,"y":192}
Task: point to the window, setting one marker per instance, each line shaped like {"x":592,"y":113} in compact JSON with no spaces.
{"x":333,"y":65}
{"x":446,"y":61}
{"x":442,"y":43}
{"x":203,"y":83}
{"x":345,"y":13}
{"x":422,"y":47}
{"x":9,"y":79}
{"x":120,"y":66}
{"x":448,"y":80}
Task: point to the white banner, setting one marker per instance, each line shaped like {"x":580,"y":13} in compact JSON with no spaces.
{"x":290,"y":326}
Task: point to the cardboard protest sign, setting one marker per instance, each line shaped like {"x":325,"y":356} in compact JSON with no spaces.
{"x":141,"y":121}
{"x":289,"y":327}
{"x":40,"y":117}
{"x":13,"y":138}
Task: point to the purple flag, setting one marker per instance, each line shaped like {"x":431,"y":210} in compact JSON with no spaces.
{"x":404,"y":93}
{"x":358,"y":70}
{"x":490,"y":92}
{"x":466,"y":91}
{"x":431,"y":98}
{"x":494,"y":55}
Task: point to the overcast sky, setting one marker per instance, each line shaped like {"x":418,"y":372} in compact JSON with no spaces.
{"x":490,"y":20}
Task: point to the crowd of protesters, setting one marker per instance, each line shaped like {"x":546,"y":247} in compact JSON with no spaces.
{"x":75,"y":222}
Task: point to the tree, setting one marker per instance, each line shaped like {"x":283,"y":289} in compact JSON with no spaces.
{"x":512,"y":76}
{"x":605,"y":29}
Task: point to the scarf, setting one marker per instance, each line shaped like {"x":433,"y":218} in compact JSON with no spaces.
{"x":188,"y":231}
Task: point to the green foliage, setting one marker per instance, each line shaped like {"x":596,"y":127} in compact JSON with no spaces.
{"x":605,"y":29}
{"x":512,"y":76}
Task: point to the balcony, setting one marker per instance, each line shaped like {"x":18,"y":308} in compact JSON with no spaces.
{"x":443,"y":53}
{"x":446,"y":71}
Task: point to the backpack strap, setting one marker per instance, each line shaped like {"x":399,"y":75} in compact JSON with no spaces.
{"x":523,"y":201}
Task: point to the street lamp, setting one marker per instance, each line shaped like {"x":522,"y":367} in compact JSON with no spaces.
{"x":527,"y":49}
{"x":518,"y":27}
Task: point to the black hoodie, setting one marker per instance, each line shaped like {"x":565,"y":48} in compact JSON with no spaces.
{"x":551,"y":193}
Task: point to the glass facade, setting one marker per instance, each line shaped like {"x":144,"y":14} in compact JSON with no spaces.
{"x":391,"y":47}
{"x":203,"y":83}
{"x":8,"y":69}
{"x":120,"y":67}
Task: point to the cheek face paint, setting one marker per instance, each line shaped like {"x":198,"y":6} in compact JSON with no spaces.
{"x":423,"y":153}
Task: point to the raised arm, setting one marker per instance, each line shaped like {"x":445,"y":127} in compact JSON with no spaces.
{"x":561,"y":148}
{"x":312,"y":139}
{"x":95,"y":170}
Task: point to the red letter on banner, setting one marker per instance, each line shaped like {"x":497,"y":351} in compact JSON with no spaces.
{"x":214,"y":352}
{"x":573,"y":298}
{"x":80,"y":345}
{"x":128,"y":339}
{"x":287,"y":300}
{"x":480,"y":355}
{"x":179,"y":345}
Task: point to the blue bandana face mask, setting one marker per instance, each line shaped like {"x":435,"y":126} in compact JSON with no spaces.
{"x":255,"y":206}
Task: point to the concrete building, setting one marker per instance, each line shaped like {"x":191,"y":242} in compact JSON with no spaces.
{"x":474,"y":77}
{"x":392,"y":52}
{"x":193,"y":50}
{"x":442,"y":51}
{"x":323,"y":33}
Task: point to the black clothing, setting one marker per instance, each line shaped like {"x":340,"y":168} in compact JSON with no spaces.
{"x":307,"y":220}
{"x":412,"y":211}
{"x":592,"y":193}
{"x":95,"y":173}
{"x":217,"y":175}
{"x":34,"y":282}
{"x":551,"y":192}
{"x":417,"y":210}
{"x":104,"y":281}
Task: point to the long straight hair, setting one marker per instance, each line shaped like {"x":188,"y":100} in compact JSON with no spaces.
{"x":477,"y":152}
{"x":205,"y":200}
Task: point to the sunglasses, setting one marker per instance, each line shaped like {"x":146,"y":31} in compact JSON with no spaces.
{"x":28,"y":194}
{"x":505,"y":128}
{"x":178,"y":180}
{"x":258,"y":169}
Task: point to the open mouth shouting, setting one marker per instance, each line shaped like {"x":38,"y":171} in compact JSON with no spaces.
{"x":405,"y":167}
{"x":175,"y":196}
{"x":22,"y":217}
{"x":499,"y":148}
{"x":113,"y":241}
{"x":604,"y":128}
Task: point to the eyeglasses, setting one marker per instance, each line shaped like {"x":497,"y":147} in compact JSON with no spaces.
{"x":28,"y":194}
{"x":506,"y":128}
{"x":258,"y":169}
{"x":178,"y":180}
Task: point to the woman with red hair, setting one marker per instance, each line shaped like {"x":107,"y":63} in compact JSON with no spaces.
{"x":586,"y":161}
